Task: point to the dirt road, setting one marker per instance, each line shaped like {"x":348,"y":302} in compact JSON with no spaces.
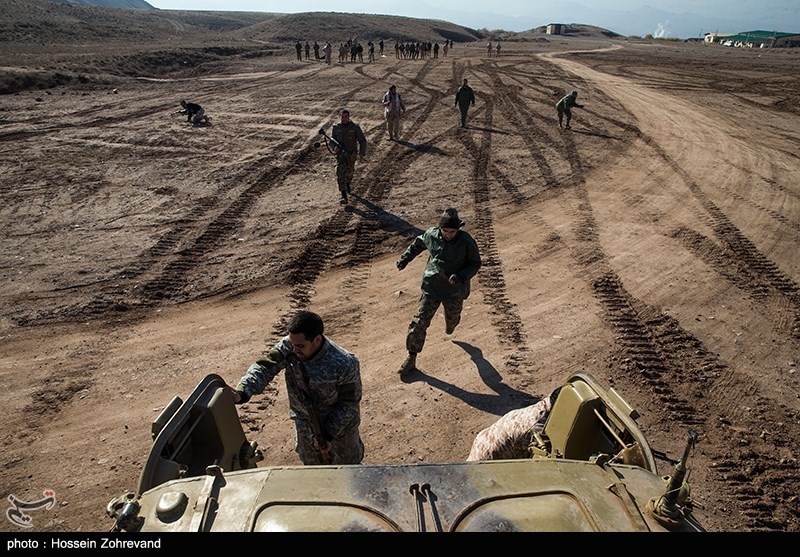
{"x":654,"y":245}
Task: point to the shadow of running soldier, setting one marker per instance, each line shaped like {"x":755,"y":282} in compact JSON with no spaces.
{"x":453,"y":260}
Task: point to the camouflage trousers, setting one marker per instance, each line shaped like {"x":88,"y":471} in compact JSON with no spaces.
{"x":345,"y":168}
{"x":418,"y":328}
{"x":348,"y":449}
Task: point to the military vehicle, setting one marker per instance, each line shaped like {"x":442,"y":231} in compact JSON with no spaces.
{"x":590,"y":469}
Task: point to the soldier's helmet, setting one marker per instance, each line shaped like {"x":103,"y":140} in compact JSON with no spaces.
{"x":575,"y":94}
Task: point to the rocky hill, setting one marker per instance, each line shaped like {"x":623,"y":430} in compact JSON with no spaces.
{"x":137,"y":22}
{"x":127,"y":4}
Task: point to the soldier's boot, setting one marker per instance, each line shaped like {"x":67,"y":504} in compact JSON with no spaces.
{"x":450,"y":329}
{"x":409,"y":365}
{"x":343,"y":200}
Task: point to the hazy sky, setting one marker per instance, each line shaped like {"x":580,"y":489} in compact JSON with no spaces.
{"x":665,"y":18}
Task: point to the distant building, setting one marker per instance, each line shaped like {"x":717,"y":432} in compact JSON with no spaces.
{"x":555,"y":28}
{"x":755,"y":39}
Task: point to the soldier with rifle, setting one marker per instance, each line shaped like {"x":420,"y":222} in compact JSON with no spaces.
{"x":350,"y":144}
{"x":323,"y":383}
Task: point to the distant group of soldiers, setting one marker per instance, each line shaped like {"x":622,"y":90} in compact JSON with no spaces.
{"x":353,"y":50}
{"x":350,"y":51}
{"x":411,"y":50}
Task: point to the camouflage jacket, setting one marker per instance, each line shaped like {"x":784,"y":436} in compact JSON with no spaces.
{"x":351,"y":137}
{"x":332,"y":384}
{"x":458,"y":257}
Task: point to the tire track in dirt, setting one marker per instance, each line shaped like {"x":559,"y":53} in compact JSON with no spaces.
{"x":760,"y":208}
{"x":765,"y":507}
{"x":647,"y":340}
{"x":171,"y":283}
{"x":317,"y":255}
{"x":766,"y":179}
{"x":745,"y":252}
{"x":505,"y":318}
{"x":649,"y":343}
{"x":763,"y":481}
{"x":657,"y":351}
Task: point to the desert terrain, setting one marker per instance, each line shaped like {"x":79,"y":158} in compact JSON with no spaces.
{"x":653,"y":245}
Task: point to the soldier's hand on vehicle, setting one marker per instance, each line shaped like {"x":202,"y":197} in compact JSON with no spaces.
{"x":235,"y":394}
{"x":455,"y":279}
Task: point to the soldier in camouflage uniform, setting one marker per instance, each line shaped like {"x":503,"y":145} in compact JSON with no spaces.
{"x":564,"y":105}
{"x":453,"y":260}
{"x":353,"y":144}
{"x":323,"y":383}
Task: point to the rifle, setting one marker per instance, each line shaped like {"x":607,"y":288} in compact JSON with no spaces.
{"x":330,"y":140}
{"x":294,"y":365}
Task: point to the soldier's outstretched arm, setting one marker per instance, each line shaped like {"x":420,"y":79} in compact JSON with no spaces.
{"x":413,"y":250}
{"x":261,"y":373}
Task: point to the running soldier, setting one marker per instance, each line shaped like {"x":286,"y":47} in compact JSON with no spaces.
{"x":453,"y":260}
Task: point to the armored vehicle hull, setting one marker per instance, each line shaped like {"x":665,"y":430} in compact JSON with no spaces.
{"x":590,"y":469}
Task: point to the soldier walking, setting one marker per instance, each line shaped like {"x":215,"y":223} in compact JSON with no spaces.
{"x":351,"y":145}
{"x":465,"y":97}
{"x":393,"y":109}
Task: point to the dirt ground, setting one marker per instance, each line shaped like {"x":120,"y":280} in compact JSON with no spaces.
{"x":654,"y":245}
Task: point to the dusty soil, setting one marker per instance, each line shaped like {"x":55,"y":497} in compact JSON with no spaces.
{"x":654,"y":246}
